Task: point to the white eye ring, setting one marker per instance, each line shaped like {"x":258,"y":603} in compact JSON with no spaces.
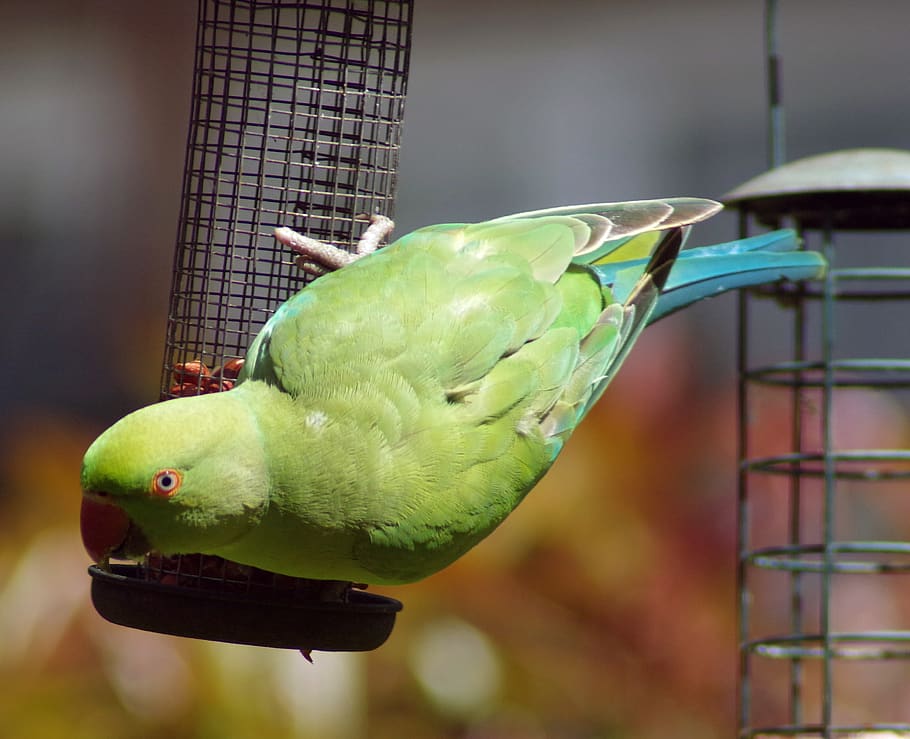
{"x":166,"y":483}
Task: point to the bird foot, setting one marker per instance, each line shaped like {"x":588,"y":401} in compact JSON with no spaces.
{"x":380,"y":227}
{"x":317,"y":258}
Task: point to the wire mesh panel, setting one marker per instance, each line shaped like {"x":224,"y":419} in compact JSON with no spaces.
{"x":824,"y":510}
{"x":296,"y":121}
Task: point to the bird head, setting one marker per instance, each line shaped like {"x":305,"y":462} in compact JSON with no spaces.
{"x":186,"y":475}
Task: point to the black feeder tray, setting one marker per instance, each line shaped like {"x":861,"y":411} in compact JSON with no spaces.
{"x":264,"y":617}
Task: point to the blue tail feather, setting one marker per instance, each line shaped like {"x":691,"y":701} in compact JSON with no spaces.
{"x":707,"y":271}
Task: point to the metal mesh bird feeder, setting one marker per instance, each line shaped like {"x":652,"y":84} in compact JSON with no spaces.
{"x":824,"y":515}
{"x":296,"y":116}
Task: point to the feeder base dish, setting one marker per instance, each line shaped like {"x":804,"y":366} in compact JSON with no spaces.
{"x":123,"y":596}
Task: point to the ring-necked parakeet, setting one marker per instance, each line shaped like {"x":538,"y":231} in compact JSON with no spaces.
{"x":390,"y":415}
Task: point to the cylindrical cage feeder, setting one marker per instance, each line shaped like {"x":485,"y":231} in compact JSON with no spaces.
{"x":824,"y":510}
{"x":296,"y":117}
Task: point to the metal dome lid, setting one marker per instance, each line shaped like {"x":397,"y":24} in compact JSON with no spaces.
{"x":861,"y":189}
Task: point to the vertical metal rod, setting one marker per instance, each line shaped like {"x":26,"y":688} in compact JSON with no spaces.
{"x":828,"y":328}
{"x":795,"y":516}
{"x":742,"y":536}
{"x":776,"y":148}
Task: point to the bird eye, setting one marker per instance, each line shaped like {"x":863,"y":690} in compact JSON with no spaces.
{"x":166,"y":483}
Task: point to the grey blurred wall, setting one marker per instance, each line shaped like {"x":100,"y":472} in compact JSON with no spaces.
{"x":511,"y":106}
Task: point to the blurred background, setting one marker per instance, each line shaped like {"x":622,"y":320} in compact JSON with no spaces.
{"x":605,"y":607}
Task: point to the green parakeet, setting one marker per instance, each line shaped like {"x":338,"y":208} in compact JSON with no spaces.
{"x":390,"y":415}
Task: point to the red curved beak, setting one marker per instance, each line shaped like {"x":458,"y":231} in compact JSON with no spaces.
{"x":104,"y":525}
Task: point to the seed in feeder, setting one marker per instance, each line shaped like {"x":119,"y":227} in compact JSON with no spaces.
{"x":184,"y":389}
{"x":190,"y":371}
{"x":214,"y":385}
{"x":232,"y":368}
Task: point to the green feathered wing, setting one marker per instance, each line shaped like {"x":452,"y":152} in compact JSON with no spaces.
{"x":448,"y":369}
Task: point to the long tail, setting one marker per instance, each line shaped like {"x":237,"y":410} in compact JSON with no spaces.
{"x":707,"y":271}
